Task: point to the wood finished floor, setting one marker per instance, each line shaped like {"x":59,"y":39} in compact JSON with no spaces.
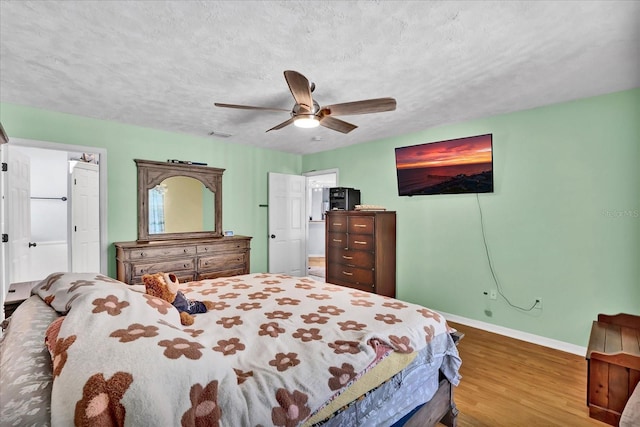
{"x":507,"y":382}
{"x":316,"y":261}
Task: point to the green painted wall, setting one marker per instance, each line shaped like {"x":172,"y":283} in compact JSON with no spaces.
{"x":244,"y":180}
{"x":563,"y":223}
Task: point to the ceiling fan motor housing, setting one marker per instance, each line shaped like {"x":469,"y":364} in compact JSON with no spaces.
{"x":301,"y":109}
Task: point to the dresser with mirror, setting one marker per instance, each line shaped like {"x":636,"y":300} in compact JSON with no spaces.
{"x":180,"y":226}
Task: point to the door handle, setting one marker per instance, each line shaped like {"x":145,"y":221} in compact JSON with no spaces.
{"x":34,"y":244}
{"x":273,"y":236}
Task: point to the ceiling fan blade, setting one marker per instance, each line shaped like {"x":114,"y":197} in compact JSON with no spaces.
{"x":337,"y":124}
{"x":300,"y":89}
{"x":248,"y":107}
{"x":283,"y":124}
{"x":377,"y":105}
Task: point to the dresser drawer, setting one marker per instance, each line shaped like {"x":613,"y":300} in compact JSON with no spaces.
{"x":337,"y":224}
{"x":164,"y":266}
{"x":337,"y":240}
{"x":143,"y":253}
{"x":357,"y":286}
{"x":361,"y":224}
{"x":221,"y":273}
{"x":361,"y":242}
{"x":222,"y":262}
{"x":183,"y":277}
{"x":222,"y":247}
{"x":362,"y":259}
{"x":346,"y":274}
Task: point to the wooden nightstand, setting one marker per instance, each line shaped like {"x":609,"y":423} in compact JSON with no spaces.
{"x":17,"y":293}
{"x":613,"y":365}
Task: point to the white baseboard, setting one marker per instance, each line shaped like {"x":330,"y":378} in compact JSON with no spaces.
{"x":513,"y":333}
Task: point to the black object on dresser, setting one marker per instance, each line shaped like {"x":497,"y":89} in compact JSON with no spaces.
{"x":361,"y":250}
{"x":343,"y":198}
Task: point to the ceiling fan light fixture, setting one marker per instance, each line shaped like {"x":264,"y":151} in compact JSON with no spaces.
{"x":306,"y":121}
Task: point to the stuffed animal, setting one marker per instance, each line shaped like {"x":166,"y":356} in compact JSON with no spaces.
{"x":165,"y":286}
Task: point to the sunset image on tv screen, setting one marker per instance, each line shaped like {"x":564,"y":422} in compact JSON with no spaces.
{"x":463,"y":165}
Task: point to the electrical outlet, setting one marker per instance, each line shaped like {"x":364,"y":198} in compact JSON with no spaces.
{"x":493,"y":294}
{"x":538,"y":303}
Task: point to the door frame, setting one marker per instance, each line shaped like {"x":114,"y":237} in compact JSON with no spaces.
{"x":309,"y":176}
{"x":102,"y":160}
{"x":4,"y":271}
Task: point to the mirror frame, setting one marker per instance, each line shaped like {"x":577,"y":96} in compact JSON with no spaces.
{"x":152,"y":173}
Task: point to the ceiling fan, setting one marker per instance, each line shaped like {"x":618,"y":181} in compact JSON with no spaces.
{"x":306,"y":112}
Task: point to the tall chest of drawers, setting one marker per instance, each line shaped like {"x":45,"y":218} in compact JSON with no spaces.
{"x":361,"y":250}
{"x":189,"y":259}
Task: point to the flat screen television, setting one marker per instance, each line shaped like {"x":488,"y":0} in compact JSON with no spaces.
{"x":454,"y":166}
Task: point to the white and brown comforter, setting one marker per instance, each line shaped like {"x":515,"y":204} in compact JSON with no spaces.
{"x":273,"y":351}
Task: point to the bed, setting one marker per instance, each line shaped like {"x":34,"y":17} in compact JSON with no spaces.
{"x":276,"y":350}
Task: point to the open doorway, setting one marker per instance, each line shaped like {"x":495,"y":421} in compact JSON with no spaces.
{"x":68,"y":184}
{"x":318,"y":184}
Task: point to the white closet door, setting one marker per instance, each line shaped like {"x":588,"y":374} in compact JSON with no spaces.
{"x":85,"y":218}
{"x":19,"y":212}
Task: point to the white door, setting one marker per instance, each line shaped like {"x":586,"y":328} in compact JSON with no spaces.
{"x":287,"y":224}
{"x":19,"y":213}
{"x":85,"y":218}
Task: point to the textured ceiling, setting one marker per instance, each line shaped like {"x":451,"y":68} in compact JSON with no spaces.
{"x":163,"y":64}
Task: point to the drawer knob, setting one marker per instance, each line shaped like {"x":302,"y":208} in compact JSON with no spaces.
{"x":346,"y":273}
{"x":358,"y":242}
{"x":185,"y":250}
{"x":347,"y":257}
{"x":142,"y":254}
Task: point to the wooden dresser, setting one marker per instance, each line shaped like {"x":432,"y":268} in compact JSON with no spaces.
{"x":188,"y":259}
{"x":613,"y":365}
{"x":361,"y":250}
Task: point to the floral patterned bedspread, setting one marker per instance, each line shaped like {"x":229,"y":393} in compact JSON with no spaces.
{"x":273,"y":350}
